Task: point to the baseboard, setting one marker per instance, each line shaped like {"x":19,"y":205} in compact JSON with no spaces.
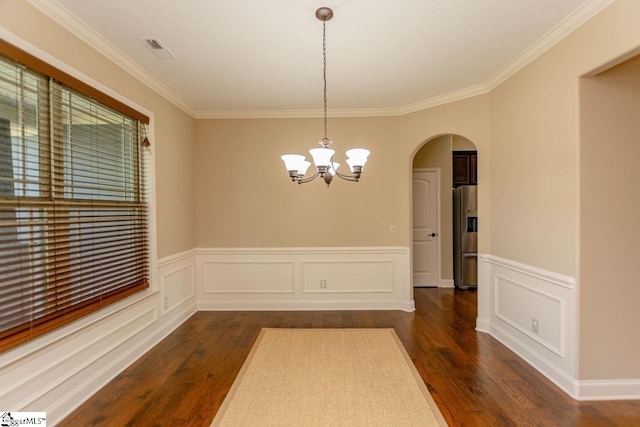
{"x":608,"y":389}
{"x":446,"y":283}
{"x":246,"y":304}
{"x":565,"y":382}
{"x":483,"y":325}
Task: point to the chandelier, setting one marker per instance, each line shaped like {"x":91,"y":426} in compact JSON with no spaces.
{"x":326,"y":168}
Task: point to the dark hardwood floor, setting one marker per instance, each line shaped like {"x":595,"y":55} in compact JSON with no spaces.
{"x":474,"y":379}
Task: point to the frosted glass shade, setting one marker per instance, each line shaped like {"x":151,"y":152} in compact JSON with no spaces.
{"x":352,"y":163}
{"x":293,"y":162}
{"x":322,"y":156}
{"x":303,"y":167}
{"x":333,"y":168}
{"x":357,"y":157}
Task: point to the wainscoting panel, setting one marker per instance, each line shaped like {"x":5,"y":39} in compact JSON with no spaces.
{"x":177,"y":284}
{"x":347,"y":276}
{"x":533,"y":312}
{"x":519,"y":305}
{"x":303,"y":278}
{"x":56,"y":372}
{"x":246,"y":277}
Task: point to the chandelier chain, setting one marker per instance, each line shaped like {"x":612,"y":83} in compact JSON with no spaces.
{"x":324,"y":73}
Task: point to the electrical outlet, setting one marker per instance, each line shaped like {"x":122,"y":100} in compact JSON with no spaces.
{"x":166,"y":303}
{"x":323,"y":284}
{"x":535,"y":326}
{"x":392,"y":229}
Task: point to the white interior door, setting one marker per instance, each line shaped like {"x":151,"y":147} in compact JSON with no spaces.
{"x":426,"y":199}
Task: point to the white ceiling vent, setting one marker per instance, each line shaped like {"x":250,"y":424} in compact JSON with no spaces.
{"x":157,"y":47}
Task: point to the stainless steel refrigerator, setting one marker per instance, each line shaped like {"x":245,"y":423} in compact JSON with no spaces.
{"x":465,"y":236}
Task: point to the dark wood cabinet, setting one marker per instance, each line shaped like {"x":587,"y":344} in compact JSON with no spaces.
{"x":465,"y":168}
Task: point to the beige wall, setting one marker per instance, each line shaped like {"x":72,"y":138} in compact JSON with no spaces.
{"x":535,"y":183}
{"x":245,"y":198}
{"x":609,"y":227}
{"x":460,"y":143}
{"x":436,"y":153}
{"x":172,"y":141}
{"x":535,"y":143}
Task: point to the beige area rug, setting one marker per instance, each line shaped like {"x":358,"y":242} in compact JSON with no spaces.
{"x":328,"y":377}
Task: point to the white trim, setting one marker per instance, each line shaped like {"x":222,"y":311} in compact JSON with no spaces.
{"x":323,"y":250}
{"x":457,"y":95}
{"x":560,"y":349}
{"x":438,"y":222}
{"x":249,"y":304}
{"x":584,"y":13}
{"x":446,"y":98}
{"x":547,"y":292}
{"x":534,"y":272}
{"x":180,"y":256}
{"x":119,"y":360}
{"x":482,"y":325}
{"x":517,"y":293}
{"x":290,"y":278}
{"x":581,"y":15}
{"x":447,"y":283}
{"x":483,"y":322}
{"x":608,"y":389}
{"x":126,"y":331}
{"x":555,"y":374}
{"x":294,"y":114}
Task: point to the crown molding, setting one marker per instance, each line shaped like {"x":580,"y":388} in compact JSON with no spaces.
{"x":295,"y":114}
{"x":263,"y":114}
{"x":53,"y":10}
{"x":361,"y":112}
{"x":581,"y":15}
{"x":447,"y":98}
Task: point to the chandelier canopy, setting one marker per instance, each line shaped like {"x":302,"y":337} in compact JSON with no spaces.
{"x":326,"y":168}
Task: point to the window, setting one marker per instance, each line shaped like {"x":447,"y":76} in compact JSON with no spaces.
{"x":73,"y":209}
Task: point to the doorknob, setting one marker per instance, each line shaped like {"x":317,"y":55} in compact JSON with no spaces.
{"x":433,"y":234}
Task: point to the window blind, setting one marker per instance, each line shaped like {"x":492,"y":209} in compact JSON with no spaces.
{"x":73,"y":205}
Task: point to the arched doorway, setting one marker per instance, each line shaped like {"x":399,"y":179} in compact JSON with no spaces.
{"x":435,"y":158}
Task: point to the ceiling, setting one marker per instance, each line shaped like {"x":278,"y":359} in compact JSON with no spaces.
{"x":236,"y":58}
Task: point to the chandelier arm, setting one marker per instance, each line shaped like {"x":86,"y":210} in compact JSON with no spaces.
{"x":311,"y":178}
{"x":345,"y":177}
